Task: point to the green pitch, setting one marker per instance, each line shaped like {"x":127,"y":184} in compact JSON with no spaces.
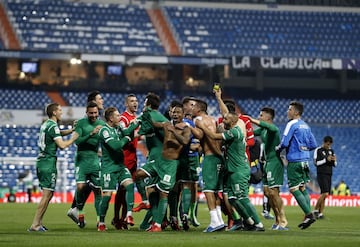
{"x":340,"y":228}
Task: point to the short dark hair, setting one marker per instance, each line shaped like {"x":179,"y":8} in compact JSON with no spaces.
{"x":50,"y":108}
{"x":91,"y":104}
{"x":328,"y":139}
{"x":153,"y":100}
{"x":202,"y":104}
{"x":92,"y":95}
{"x":269,"y":110}
{"x":178,"y":106}
{"x":231,"y":107}
{"x":298,"y":106}
{"x":175,"y":103}
{"x":130,"y":95}
{"x":229,"y":101}
{"x":109,"y":112}
{"x":187,"y":99}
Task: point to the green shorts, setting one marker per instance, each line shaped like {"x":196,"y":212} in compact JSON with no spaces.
{"x":189,"y":168}
{"x":151,"y":166}
{"x":273,"y":173}
{"x":212,"y":172}
{"x":47,"y":173}
{"x":167,"y":174}
{"x":109,"y":181}
{"x":151,"y":169}
{"x":298,"y":173}
{"x":87,"y":168}
{"x":237,"y":185}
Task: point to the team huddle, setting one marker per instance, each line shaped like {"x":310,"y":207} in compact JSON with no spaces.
{"x":106,"y":162}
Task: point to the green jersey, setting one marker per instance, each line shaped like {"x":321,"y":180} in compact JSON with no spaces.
{"x":270,"y":136}
{"x":87,"y":161}
{"x":49,"y":131}
{"x":154,"y":137}
{"x":112,"y":158}
{"x":85,"y":142}
{"x":235,"y":158}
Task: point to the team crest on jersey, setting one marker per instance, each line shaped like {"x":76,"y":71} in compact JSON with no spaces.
{"x":229,"y":133}
{"x":106,"y":134}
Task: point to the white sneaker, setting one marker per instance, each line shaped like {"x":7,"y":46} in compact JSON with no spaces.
{"x":73,"y":214}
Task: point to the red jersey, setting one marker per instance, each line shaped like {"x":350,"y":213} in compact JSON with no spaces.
{"x":130,"y":158}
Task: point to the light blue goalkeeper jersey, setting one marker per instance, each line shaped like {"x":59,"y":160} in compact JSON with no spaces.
{"x":298,"y":141}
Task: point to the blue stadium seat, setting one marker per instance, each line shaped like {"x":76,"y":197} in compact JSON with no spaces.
{"x":78,"y":27}
{"x":23,"y":99}
{"x":297,"y":28}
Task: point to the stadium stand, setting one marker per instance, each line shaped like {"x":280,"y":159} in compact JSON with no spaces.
{"x":23,"y":99}
{"x":242,"y":32}
{"x":109,"y":28}
{"x":83,"y":27}
{"x":347,"y":3}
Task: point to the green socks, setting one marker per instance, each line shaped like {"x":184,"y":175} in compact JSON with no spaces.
{"x":302,"y":201}
{"x":140,"y":185}
{"x":104,"y":205}
{"x":186,"y":200}
{"x":129,"y":197}
{"x":163,"y":203}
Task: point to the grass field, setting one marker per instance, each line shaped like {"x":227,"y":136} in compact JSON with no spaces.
{"x":340,"y":228}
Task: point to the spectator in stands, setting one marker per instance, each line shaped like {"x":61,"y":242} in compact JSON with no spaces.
{"x":324,"y":160}
{"x":273,"y":167}
{"x":343,"y":189}
{"x":49,"y":140}
{"x":298,"y":141}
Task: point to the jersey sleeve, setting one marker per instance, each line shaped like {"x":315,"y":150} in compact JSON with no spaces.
{"x":268,"y":126}
{"x":131,"y":128}
{"x":257,"y":132}
{"x":288,"y":134}
{"x":230,"y":134}
{"x":146,"y":124}
{"x":79,"y":129}
{"x":111,"y":142}
{"x":311,"y":141}
{"x":54,"y":132}
{"x":319,"y":157}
